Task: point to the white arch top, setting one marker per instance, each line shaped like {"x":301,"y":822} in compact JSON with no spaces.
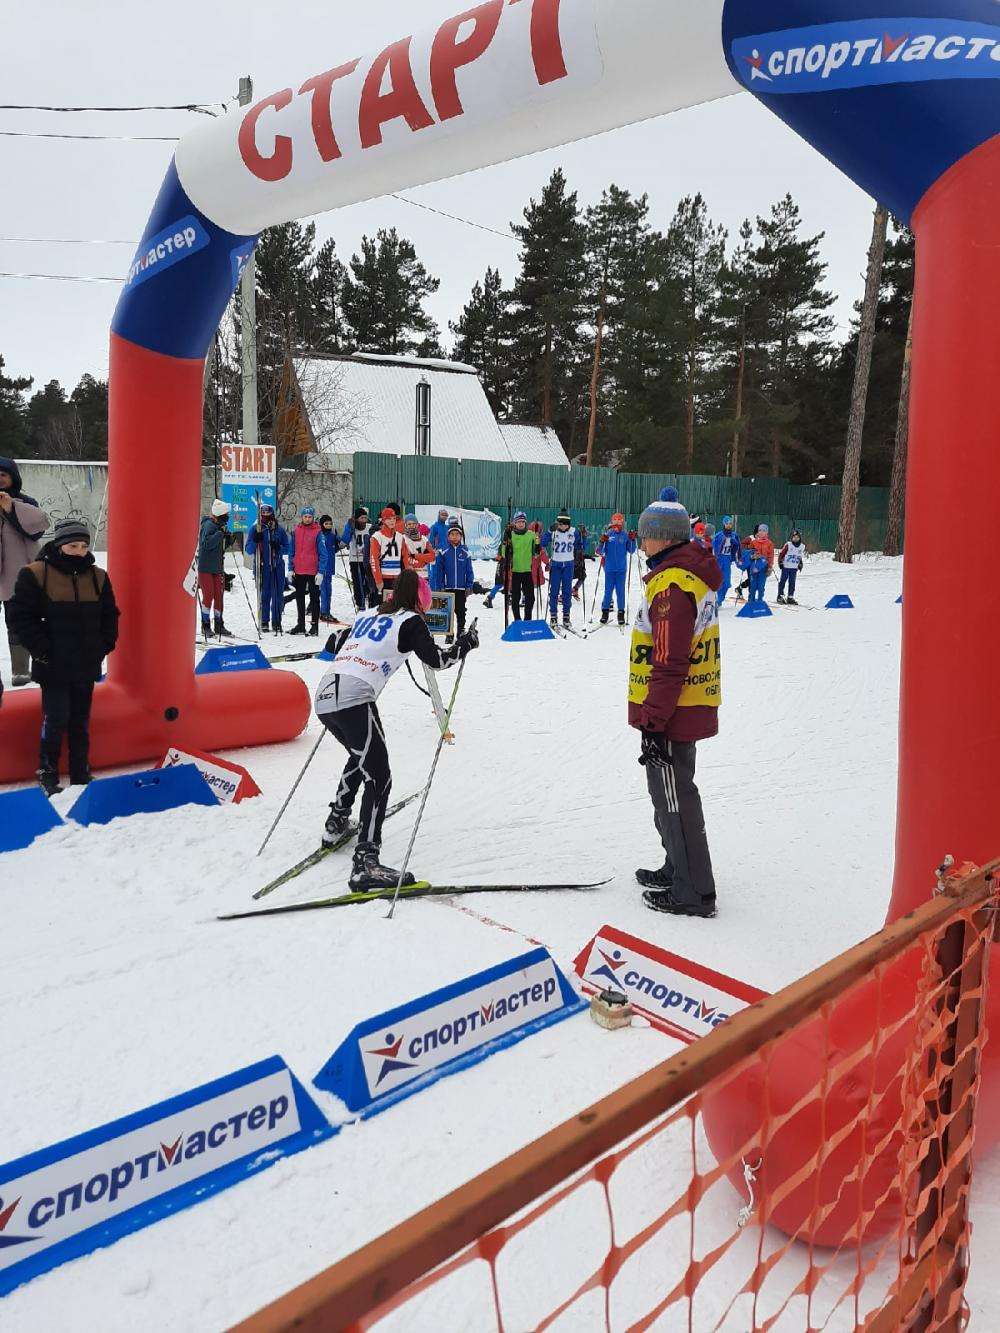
{"x":506,"y":78}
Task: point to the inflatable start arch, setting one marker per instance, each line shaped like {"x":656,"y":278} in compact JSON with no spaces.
{"x":903,"y":95}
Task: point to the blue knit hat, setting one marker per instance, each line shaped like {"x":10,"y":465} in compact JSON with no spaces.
{"x":307,"y":509}
{"x":727,"y":522}
{"x":519,"y":515}
{"x":665,"y":521}
{"x":670,"y":495}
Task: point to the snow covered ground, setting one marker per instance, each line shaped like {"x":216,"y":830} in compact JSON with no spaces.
{"x":120,"y":988}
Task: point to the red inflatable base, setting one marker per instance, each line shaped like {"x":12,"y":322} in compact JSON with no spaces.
{"x":219,"y":713}
{"x":949,"y":735}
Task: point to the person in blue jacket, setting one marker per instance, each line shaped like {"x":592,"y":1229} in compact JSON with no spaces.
{"x":562,"y":544}
{"x":438,"y":538}
{"x":329,"y":544}
{"x":270,"y":543}
{"x":455,"y":573}
{"x":726,"y":545}
{"x":617,"y":547}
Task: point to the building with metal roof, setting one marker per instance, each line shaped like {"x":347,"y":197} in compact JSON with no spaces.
{"x":369,"y":403}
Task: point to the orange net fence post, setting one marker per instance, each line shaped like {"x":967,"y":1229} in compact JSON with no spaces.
{"x":854,"y":1183}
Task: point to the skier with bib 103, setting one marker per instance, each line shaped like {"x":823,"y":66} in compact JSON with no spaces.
{"x":562,"y":545}
{"x":674,"y":698}
{"x":367,"y":656}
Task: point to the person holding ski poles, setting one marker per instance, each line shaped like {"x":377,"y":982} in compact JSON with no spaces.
{"x":270,"y":543}
{"x":214,"y":540}
{"x":521,"y":549}
{"x":420,"y":556}
{"x":366,"y":657}
{"x":357,"y":539}
{"x":790,"y":561}
{"x":726,"y":546}
{"x":617,"y":548}
{"x":675,"y":690}
{"x":562,"y":544}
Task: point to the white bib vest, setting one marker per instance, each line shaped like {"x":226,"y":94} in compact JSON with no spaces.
{"x":356,"y":546}
{"x":390,"y":553}
{"x":419,"y":546}
{"x":793,"y":556}
{"x":370,"y":653}
{"x":563,"y":546}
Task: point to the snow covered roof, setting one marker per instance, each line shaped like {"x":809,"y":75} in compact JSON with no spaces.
{"x":368,"y":403}
{"x":533,"y":444}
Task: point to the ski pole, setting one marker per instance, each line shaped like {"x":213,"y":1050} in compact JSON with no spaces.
{"x":239,"y":575}
{"x":288,"y":802}
{"x":430,"y":781}
{"x":628,"y":589}
{"x":597,"y":584}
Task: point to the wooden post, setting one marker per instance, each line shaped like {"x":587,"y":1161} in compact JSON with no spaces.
{"x":859,"y":398}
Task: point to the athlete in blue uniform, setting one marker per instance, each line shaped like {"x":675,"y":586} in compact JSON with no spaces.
{"x":562,"y":544}
{"x":726,"y":546}
{"x":617,"y":548}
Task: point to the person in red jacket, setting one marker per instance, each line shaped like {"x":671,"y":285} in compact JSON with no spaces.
{"x":675,"y":689}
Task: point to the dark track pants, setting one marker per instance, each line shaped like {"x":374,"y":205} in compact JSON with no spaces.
{"x":66,"y":712}
{"x":359,"y":582}
{"x":788,"y":577}
{"x":680,"y":822}
{"x":561,"y":586}
{"x":359,"y":731}
{"x":522,"y":590}
{"x":305,"y":584}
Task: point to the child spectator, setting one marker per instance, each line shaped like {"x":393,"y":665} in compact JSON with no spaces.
{"x":759,"y":561}
{"x":308,"y":567}
{"x":386,"y":553}
{"x":420,"y":556}
{"x":726,"y":546}
{"x":213,"y":542}
{"x":455,"y":573}
{"x":64,"y":612}
{"x":329,"y":546}
{"x":270,"y":543}
{"x":790,"y":561}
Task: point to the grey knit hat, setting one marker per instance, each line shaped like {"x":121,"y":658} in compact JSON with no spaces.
{"x":665,"y":521}
{"x":70,"y":530}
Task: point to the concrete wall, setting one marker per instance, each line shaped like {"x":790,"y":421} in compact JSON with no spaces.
{"x":77,"y":490}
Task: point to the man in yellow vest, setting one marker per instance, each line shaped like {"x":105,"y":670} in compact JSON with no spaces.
{"x":674,"y":695}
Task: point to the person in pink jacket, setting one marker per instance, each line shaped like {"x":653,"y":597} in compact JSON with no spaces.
{"x":309,"y":561}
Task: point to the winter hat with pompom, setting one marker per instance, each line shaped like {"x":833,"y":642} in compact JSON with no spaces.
{"x":219,"y":508}
{"x":665,"y":521}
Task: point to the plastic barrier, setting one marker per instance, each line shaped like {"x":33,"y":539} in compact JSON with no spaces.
{"x":142,"y":794}
{"x":398,"y":1053}
{"x":25,"y":816}
{"x":841,"y":602}
{"x":231,"y":783}
{"x":528,"y":631}
{"x":684,"y":999}
{"x":218,"y":661}
{"x":89,"y":1191}
{"x":754,"y":611}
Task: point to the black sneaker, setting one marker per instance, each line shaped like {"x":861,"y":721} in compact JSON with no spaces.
{"x":781,"y":600}
{"x":605,"y":617}
{"x":662,"y":900}
{"x":369,"y":875}
{"x":621,"y":617}
{"x":299,"y":629}
{"x":314,"y":632}
{"x":656,"y":879}
{"x":48,"y":780}
{"x":335,"y":828}
{"x":790,"y":601}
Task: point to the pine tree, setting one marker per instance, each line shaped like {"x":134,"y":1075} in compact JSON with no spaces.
{"x":383,"y":298}
{"x":48,"y":419}
{"x":546,"y":308}
{"x":617,"y":231}
{"x":12,"y":414}
{"x":481,"y":338}
{"x":794,"y":331}
{"x":90,"y":402}
{"x":326,"y":294}
{"x":696,"y":251}
{"x":285,"y":276}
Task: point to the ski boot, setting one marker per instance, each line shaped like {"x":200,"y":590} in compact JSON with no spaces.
{"x":48,"y":780}
{"x":335,"y":828}
{"x":220,"y":629}
{"x":368,"y":873}
{"x":790,"y":601}
{"x":206,"y":627}
{"x":621,"y":619}
{"x":567,"y":622}
{"x":662,"y":900}
{"x":298,"y":629}
{"x":449,"y":639}
{"x":781,"y":600}
{"x":656,"y":879}
{"x":314,"y":630}
{"x":605,"y":617}
{"x":554,"y":622}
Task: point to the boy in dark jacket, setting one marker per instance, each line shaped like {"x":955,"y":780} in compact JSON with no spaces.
{"x":64,"y":612}
{"x":455,"y":573}
{"x":213,"y":542}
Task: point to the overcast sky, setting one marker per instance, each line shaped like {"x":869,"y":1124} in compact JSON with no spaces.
{"x":738,"y":155}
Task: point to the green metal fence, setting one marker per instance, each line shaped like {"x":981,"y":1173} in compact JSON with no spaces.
{"x":594,"y":494}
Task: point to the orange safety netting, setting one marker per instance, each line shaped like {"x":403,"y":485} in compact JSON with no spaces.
{"x":651,"y":1235}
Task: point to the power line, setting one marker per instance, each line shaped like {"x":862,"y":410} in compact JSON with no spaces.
{"x":58,"y":240}
{"x":201,"y":108}
{"x":454,"y":217}
{"x":58,"y":277}
{"x":121,"y":138}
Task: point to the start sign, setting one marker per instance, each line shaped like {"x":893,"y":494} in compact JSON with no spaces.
{"x":248,"y":479}
{"x":230,"y":782}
